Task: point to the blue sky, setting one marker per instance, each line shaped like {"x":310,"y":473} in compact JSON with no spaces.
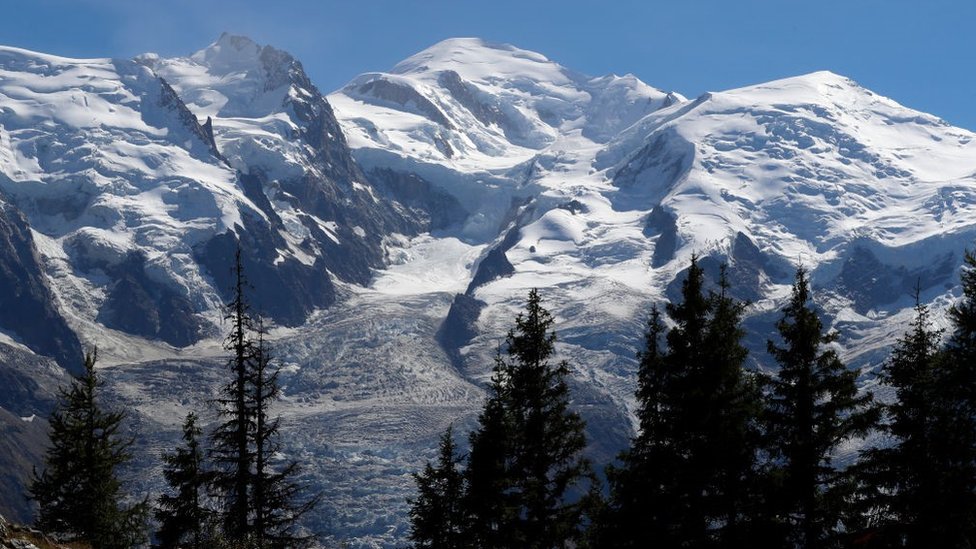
{"x":920,"y":53}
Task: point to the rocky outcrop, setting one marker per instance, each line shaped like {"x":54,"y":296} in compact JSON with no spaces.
{"x":658,"y":164}
{"x":663,"y":225}
{"x":14,"y":536}
{"x":392,"y":92}
{"x":21,"y":449}
{"x":170,"y":100}
{"x":285,"y":289}
{"x":870,"y":284}
{"x":137,"y":304}
{"x":28,"y":308}
{"x":432,"y":207}
{"x":460,"y":325}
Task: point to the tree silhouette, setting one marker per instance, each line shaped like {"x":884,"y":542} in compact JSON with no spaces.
{"x":78,"y":492}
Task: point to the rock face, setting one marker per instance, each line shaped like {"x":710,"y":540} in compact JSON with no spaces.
{"x":274,"y":126}
{"x":139,"y":205}
{"x":28,"y":308}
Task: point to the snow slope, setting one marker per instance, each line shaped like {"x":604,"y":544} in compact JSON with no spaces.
{"x":471,"y":116}
{"x":106,"y":162}
{"x":871,"y":196}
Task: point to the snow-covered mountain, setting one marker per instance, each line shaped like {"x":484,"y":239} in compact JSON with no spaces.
{"x":393,"y":238}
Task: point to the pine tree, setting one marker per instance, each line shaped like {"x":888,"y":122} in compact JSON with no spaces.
{"x":687,"y":359}
{"x":78,"y":492}
{"x":437,"y":519}
{"x":730,"y":423}
{"x":688,"y":478}
{"x":488,"y":503}
{"x":541,"y":440}
{"x":954,"y":437}
{"x":185,"y":519}
{"x":231,"y":450}
{"x":812,"y":408}
{"x":900,"y":483}
{"x":548,"y":437}
{"x":640,"y":512}
{"x":277,"y":498}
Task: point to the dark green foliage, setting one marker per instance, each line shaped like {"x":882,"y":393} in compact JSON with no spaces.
{"x":954,"y":437}
{"x":277,"y":499}
{"x":687,"y":360}
{"x":639,"y":513}
{"x":184,"y":516}
{"x":732,"y":405}
{"x":548,"y":436}
{"x":900,"y":486}
{"x":812,"y":408}
{"x":78,"y":492}
{"x":262,"y":503}
{"x":525,"y":457}
{"x":487,"y":496}
{"x":437,"y":516}
{"x":689,"y":477}
{"x":231,"y":451}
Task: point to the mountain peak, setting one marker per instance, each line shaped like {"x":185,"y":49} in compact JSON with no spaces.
{"x":822,"y":82}
{"x":480,"y":59}
{"x":230,"y":53}
{"x":236,"y":41}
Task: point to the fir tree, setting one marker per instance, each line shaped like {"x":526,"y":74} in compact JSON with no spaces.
{"x":954,"y":436}
{"x":548,"y":437}
{"x":262,"y":503}
{"x":185,"y":519}
{"x":78,"y":492}
{"x":487,"y":501}
{"x":231,"y":450}
{"x":900,"y":483}
{"x":277,"y":498}
{"x":527,"y":478}
{"x":812,"y":408}
{"x":730,"y":422}
{"x":639,"y":513}
{"x":687,"y":359}
{"x":437,"y":519}
{"x":688,"y":478}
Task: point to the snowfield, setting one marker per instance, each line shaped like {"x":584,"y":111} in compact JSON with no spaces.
{"x":470,"y":172}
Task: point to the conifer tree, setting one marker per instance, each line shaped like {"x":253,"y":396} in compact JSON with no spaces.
{"x":900,"y":483}
{"x":640,"y":512}
{"x":730,"y":421}
{"x":686,"y":408}
{"x":262,"y":502}
{"x":185,"y":518}
{"x":277,"y":499}
{"x":548,"y":437}
{"x":688,"y":478}
{"x":812,"y":408}
{"x":541,"y":443}
{"x":78,"y":492}
{"x":437,"y":519}
{"x":954,"y":438}
{"x":231,"y":450}
{"x":487,"y":501}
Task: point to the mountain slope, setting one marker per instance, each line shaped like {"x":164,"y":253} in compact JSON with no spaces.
{"x":813,"y":169}
{"x":110,"y":169}
{"x":468,"y":116}
{"x":121,"y":210}
{"x":871,"y":196}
